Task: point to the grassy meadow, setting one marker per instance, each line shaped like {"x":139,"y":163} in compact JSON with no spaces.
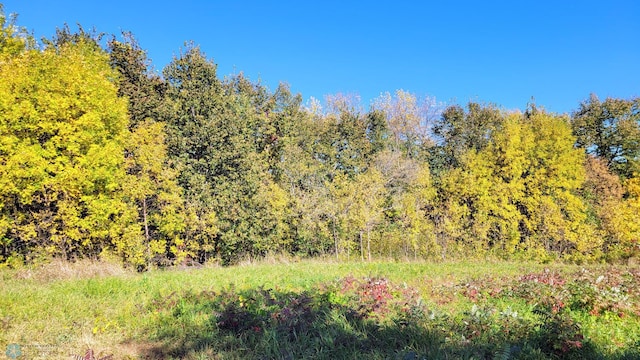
{"x":323,"y":310}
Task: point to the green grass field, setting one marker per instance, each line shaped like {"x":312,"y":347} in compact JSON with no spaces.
{"x":323,"y":310}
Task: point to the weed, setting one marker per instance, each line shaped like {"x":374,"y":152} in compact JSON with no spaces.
{"x":332,"y":310}
{"x":90,"y":355}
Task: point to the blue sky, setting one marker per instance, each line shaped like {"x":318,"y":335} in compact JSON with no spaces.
{"x":503,"y":52}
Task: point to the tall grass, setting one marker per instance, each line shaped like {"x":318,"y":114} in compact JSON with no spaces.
{"x":287,"y":308}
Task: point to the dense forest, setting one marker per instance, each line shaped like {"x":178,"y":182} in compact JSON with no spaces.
{"x":102,"y":157}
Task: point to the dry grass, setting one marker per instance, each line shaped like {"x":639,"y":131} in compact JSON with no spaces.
{"x":66,"y":270}
{"x":271,"y":259}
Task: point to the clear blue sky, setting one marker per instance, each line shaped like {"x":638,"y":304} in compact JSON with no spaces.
{"x":504,"y":52}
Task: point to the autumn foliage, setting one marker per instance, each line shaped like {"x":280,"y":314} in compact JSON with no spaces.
{"x":102,"y":157}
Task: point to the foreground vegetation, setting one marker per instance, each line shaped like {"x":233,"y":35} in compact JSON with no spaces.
{"x":324,"y":309}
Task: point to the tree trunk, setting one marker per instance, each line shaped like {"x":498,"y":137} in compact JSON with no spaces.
{"x":335,"y":238}
{"x":146,"y":227}
{"x":361,"y":246}
{"x":369,"y":243}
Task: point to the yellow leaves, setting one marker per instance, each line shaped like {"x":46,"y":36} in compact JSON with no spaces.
{"x":130,"y":245}
{"x":171,"y":217}
{"x":274,"y":197}
{"x":510,"y":147}
{"x":14,"y":40}
{"x":272,"y":208}
{"x":633,"y":187}
{"x":23,"y":172}
{"x":151,"y":188}
{"x":558,"y":163}
{"x":158,"y":246}
{"x":555,"y":213}
{"x":62,"y":98}
{"x":5,"y":225}
{"x":423,"y":186}
{"x":620,"y":221}
{"x":356,"y":206}
{"x":147,"y":162}
{"x":61,"y":146}
{"x":147,"y":146}
{"x":522,"y":188}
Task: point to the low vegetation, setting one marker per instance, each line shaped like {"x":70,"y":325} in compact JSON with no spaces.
{"x":325,"y":310}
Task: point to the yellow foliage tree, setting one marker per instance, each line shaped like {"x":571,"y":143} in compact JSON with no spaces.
{"x":151,"y":187}
{"x":62,"y":137}
{"x":522,"y":191}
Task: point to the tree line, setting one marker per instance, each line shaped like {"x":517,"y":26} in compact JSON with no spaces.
{"x":102,"y":157}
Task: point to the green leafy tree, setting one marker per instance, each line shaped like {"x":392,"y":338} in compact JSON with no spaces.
{"x":66,"y":36}
{"x":196,"y":131}
{"x":610,"y":130}
{"x":460,"y":130}
{"x":343,"y":145}
{"x":151,"y":178}
{"x":216,"y":134}
{"x":143,"y":89}
{"x":377,"y":131}
{"x":304,"y":177}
